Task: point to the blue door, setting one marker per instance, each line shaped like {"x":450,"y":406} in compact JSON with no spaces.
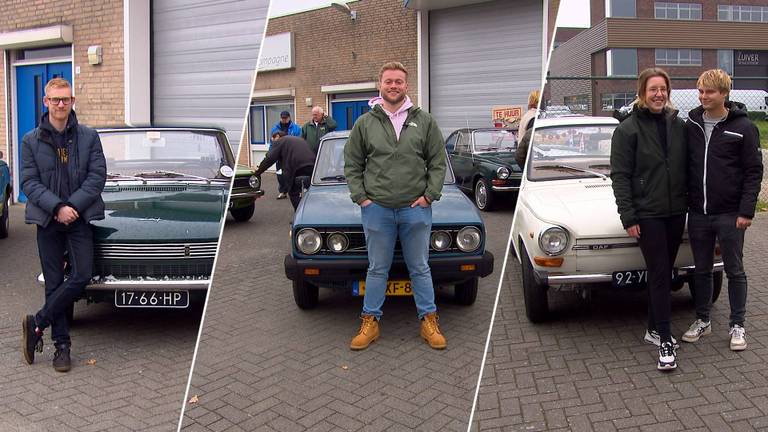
{"x":30,"y":88}
{"x":345,"y":113}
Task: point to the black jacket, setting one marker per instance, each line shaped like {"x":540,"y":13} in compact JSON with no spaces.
{"x":41,"y":173}
{"x":649,"y":179}
{"x":730,"y":181}
{"x":292,"y":152}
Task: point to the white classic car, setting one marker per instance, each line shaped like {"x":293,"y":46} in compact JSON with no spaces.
{"x":567,"y":234}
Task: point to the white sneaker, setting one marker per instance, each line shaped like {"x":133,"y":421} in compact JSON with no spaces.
{"x":738,"y":338}
{"x":652,"y":337}
{"x":698,"y":329}
{"x":667,"y":360}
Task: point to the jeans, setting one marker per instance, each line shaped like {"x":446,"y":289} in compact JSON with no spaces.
{"x":382,"y":227}
{"x":702,"y":230}
{"x":52,"y":241}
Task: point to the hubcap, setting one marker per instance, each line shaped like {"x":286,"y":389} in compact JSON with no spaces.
{"x":480,"y":194}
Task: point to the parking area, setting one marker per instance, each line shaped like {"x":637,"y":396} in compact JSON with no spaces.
{"x":264,"y":364}
{"x":129,"y":367}
{"x":588,"y":368}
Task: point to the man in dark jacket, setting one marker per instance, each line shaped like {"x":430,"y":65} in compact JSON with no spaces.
{"x":63,"y":175}
{"x":314,"y":129}
{"x":725,"y":169}
{"x":297,"y":161}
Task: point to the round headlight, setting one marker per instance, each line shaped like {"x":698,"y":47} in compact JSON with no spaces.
{"x":308,"y":241}
{"x":468,"y":239}
{"x":254,"y":182}
{"x":553,"y":241}
{"x":338,"y":242}
{"x":502,"y":173}
{"x":440,"y":241}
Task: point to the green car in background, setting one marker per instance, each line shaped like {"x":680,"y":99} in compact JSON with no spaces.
{"x":245,"y":191}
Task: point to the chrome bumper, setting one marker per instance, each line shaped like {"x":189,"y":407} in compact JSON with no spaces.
{"x":505,"y":188}
{"x":250,"y":194}
{"x":144,"y":285}
{"x":608,"y":277}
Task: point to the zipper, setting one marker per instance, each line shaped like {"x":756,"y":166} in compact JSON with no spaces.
{"x":706,"y":153}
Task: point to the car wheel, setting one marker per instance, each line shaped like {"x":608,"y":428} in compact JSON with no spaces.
{"x":534,"y":292}
{"x":4,"y":219}
{"x":305,"y":294}
{"x":483,"y":195}
{"x":465,"y":293}
{"x":717,"y":286}
{"x":242,"y":214}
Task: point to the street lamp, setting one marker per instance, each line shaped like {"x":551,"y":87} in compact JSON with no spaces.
{"x":344,"y":8}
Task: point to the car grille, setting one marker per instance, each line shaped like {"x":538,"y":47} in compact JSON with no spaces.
{"x":158,"y":270}
{"x":241,"y":183}
{"x":152,"y":251}
{"x":357,"y":244}
{"x":152,"y":188}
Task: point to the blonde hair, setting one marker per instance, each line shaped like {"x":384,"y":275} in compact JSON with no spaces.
{"x":533,"y":99}
{"x":642,"y":84}
{"x":715,"y":78}
{"x":57,"y":83}
{"x":393,"y":65}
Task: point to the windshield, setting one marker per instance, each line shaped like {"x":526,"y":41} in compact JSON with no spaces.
{"x":329,"y":167}
{"x":568,"y":152}
{"x":164,"y":154}
{"x":495,"y":140}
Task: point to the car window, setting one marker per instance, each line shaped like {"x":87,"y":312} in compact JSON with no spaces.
{"x":329,"y":167}
{"x":566,"y":152}
{"x":450,"y":143}
{"x":494,"y":140}
{"x":462,"y":144}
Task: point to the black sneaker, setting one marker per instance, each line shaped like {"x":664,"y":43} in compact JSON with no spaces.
{"x":667,"y":359}
{"x":31,"y":339}
{"x":61,"y":360}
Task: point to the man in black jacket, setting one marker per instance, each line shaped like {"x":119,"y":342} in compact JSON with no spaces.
{"x":63,"y":175}
{"x":297,"y":161}
{"x":725,"y":169}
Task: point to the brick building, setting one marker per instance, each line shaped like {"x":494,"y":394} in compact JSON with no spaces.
{"x":685,"y":39}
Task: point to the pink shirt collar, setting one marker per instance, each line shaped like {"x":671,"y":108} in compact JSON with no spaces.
{"x":398,"y":117}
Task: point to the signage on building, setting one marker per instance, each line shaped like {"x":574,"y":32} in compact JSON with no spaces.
{"x":506,"y":115}
{"x":750,"y":58}
{"x":277,"y":52}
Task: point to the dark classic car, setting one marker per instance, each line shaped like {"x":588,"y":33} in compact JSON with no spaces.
{"x":246,"y":189}
{"x":328,"y":245}
{"x":165,"y":199}
{"x":5,"y":197}
{"x":484,"y":164}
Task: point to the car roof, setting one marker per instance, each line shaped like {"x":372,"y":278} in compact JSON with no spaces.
{"x":336,"y":134}
{"x":575,"y":121}
{"x":120,"y":128}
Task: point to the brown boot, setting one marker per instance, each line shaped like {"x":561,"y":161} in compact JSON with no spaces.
{"x":430,"y":331}
{"x":369,"y":332}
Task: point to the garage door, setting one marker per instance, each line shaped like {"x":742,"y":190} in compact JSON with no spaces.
{"x":483,"y":55}
{"x":204,"y":57}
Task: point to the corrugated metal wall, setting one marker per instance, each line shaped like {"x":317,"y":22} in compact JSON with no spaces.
{"x":205,"y":54}
{"x":483,"y":55}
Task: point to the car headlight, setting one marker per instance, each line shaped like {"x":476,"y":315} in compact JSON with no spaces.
{"x":308,"y":241}
{"x":254,"y":182}
{"x":338,"y":242}
{"x":440,"y":241}
{"x":553,"y":241}
{"x":502,"y":173}
{"x":468,"y":239}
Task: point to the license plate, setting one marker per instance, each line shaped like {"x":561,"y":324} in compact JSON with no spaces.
{"x":630,"y":278}
{"x":394,"y":288}
{"x":152,"y":299}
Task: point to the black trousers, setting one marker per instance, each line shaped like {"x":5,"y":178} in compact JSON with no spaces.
{"x":659,"y":242}
{"x":282,"y":180}
{"x":52,"y":241}
{"x":301,"y":180}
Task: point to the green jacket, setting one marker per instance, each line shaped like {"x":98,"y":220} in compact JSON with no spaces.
{"x":394,"y":173}
{"x":312,"y":133}
{"x":649,"y":181}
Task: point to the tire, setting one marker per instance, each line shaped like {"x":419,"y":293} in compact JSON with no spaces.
{"x":483,"y":195}
{"x":242,"y":214}
{"x":717,"y":286}
{"x":465,"y":293}
{"x":4,"y":219}
{"x":534,"y":293}
{"x":305,"y":294}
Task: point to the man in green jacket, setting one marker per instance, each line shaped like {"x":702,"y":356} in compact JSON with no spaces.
{"x":395,"y":167}
{"x":314,"y":129}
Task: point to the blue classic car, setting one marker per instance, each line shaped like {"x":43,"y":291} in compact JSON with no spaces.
{"x":328,"y":244}
{"x":5,"y":197}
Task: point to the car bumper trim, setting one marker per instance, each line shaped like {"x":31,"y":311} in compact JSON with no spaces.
{"x":608,"y":277}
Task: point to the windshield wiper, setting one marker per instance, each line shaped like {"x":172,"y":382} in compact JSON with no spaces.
{"x":561,"y":166}
{"x":116,"y":175}
{"x":336,"y":177}
{"x":171,"y":173}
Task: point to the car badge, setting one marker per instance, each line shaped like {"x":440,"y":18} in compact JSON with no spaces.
{"x":187,"y":250}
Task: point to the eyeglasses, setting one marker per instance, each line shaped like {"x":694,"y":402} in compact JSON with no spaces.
{"x":654,"y":90}
{"x":56,"y":100}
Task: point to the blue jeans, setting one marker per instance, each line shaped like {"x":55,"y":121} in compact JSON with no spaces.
{"x":382,"y":227}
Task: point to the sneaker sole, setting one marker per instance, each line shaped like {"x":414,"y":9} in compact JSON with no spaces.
{"x":362,"y":347}
{"x":691,"y":339}
{"x":738,"y":347}
{"x":24,"y":339}
{"x":650,"y":341}
{"x":667,"y":367}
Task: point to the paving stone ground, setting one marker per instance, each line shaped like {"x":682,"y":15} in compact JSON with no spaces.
{"x":264,"y":364}
{"x":142,"y":357}
{"x":588,"y":369}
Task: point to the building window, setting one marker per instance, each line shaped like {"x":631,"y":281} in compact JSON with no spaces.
{"x":725,"y":60}
{"x":742,"y":13}
{"x":577,"y":102}
{"x":620,"y":9}
{"x":677,"y":11}
{"x":621,"y":62}
{"x":678,"y":57}
{"x":261,"y":118}
{"x":612,"y":101}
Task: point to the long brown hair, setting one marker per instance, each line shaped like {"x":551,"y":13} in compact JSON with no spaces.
{"x":642,"y":83}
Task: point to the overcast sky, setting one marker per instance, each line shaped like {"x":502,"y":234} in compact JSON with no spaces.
{"x":283,"y":7}
{"x":572,"y":13}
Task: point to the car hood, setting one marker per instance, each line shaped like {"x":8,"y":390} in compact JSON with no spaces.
{"x":244,"y":170}
{"x":173,"y":212}
{"x":587,"y":208}
{"x":501,"y":158}
{"x":331,"y":206}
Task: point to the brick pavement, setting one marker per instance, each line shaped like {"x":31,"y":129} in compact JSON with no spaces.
{"x":142,"y":357}
{"x":588,"y":369}
{"x":264,"y":364}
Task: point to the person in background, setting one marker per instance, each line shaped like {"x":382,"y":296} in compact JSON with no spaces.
{"x":526,"y":121}
{"x":297,"y":160}
{"x":314,"y":129}
{"x":288,"y":127}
